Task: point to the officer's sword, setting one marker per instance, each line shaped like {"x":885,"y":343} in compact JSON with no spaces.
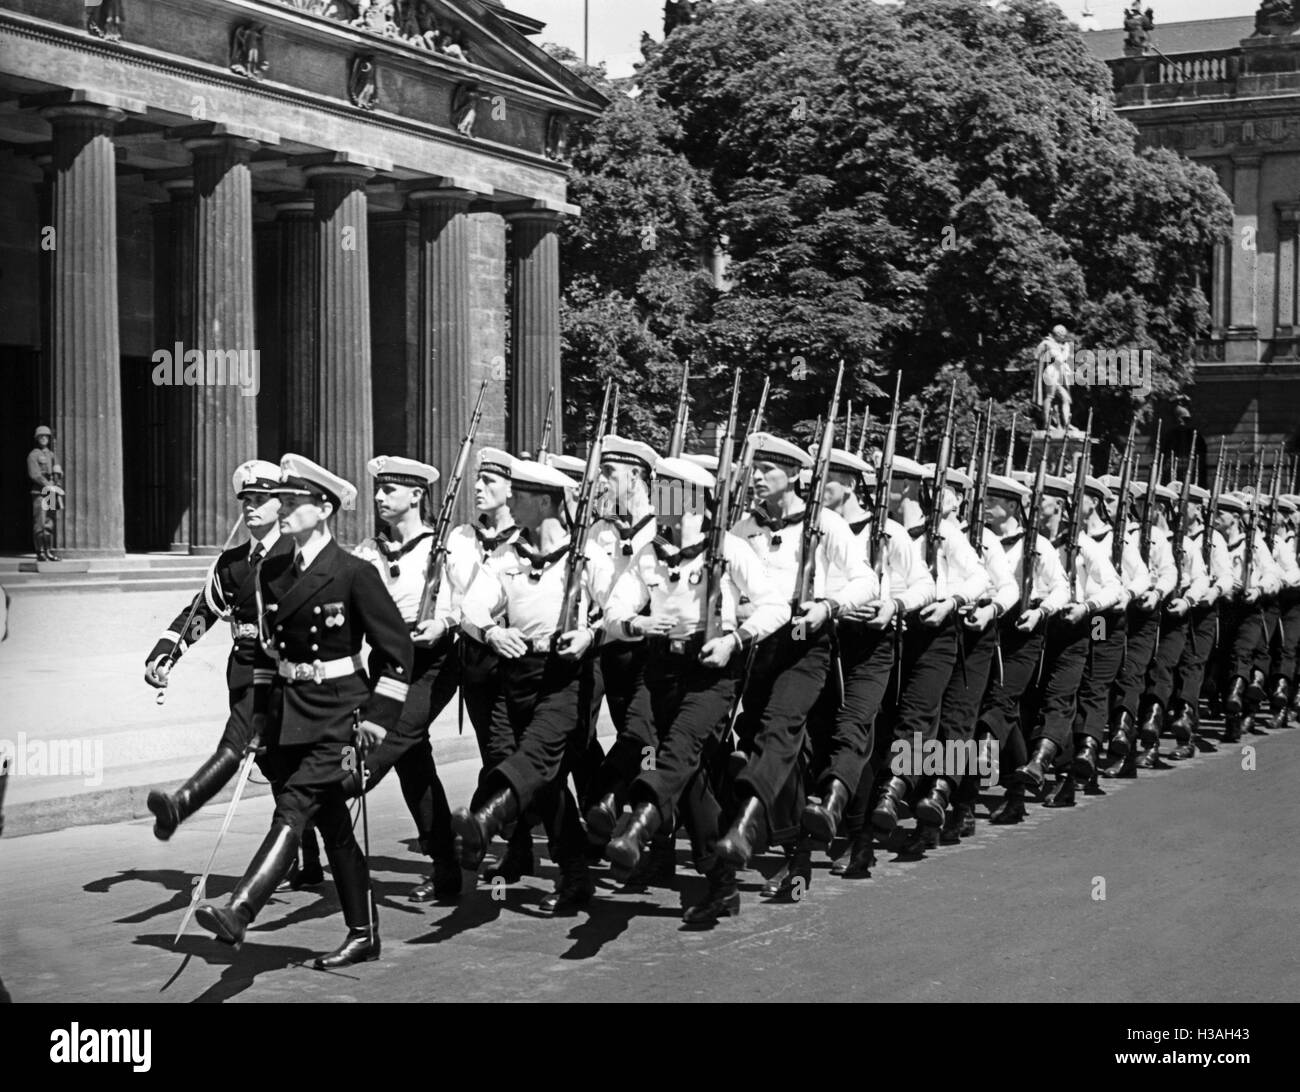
{"x":200,"y":888}
{"x":365,"y":825}
{"x":170,"y":660}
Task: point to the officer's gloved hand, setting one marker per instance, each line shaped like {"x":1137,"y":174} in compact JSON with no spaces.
{"x":155,"y":674}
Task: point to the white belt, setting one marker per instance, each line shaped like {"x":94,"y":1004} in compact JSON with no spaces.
{"x":243,"y":631}
{"x":319,"y":670}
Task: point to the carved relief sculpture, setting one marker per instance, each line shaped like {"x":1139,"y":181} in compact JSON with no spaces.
{"x":362,"y":89}
{"x":464,"y":108}
{"x":247,"y":53}
{"x":104,"y":20}
{"x":377,"y":16}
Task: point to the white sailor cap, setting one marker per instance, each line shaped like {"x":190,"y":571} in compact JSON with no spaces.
{"x":1233,"y":502}
{"x":954,"y":476}
{"x":1001,"y":486}
{"x":1194,"y":492}
{"x":1292,"y":498}
{"x":1098,"y":488}
{"x":567,"y":464}
{"x":530,"y":475}
{"x":1286,"y":503}
{"x":400,"y":471}
{"x":492,"y":460}
{"x":772,"y":449}
{"x":619,"y":449}
{"x":708,"y":462}
{"x":1165,"y":492}
{"x":910,"y":468}
{"x":255,"y":476}
{"x":1111,"y":482}
{"x":1054,"y":486}
{"x":686,"y":470}
{"x":849,"y":463}
{"x":1137,"y":488}
{"x":302,"y":477}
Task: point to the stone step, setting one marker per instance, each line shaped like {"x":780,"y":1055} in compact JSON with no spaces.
{"x":135,"y":572}
{"x":190,"y":582}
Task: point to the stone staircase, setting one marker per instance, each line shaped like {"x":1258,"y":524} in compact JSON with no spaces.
{"x":23,"y":574}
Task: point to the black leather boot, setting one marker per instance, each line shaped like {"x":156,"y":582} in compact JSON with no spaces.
{"x":1012,"y":808}
{"x":1182,"y":725}
{"x":518,"y":860}
{"x":1278,"y":699}
{"x":1255,"y":692}
{"x":1293,"y":711}
{"x":474,"y":830}
{"x":1232,"y":704}
{"x":1033,"y":774}
{"x":794,"y":878}
{"x":362,"y":944}
{"x":932,"y":809}
{"x":821,"y":821}
{"x":858,"y":859}
{"x":1250,"y":723}
{"x":357,"y":947}
{"x":721,"y":900}
{"x":602,"y":818}
{"x":1152,"y":725}
{"x":1084,"y":766}
{"x":268,"y":866}
{"x":306,"y":872}
{"x":625,"y":848}
{"x":1231,"y":728}
{"x":922,"y":837}
{"x":1121,"y":733}
{"x":445,"y":883}
{"x":958,"y":824}
{"x":1061,"y":795}
{"x":884,"y":816}
{"x":746,"y":836}
{"x":170,"y":810}
{"x":574,"y":888}
{"x":1124,"y":767}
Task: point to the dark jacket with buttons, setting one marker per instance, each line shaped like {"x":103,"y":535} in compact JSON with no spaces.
{"x":232,"y":577}
{"x":323,"y":614}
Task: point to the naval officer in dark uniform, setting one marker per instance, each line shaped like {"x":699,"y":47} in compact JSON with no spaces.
{"x":314,"y":705}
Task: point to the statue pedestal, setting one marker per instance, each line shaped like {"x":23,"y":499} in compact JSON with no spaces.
{"x":1063,"y":448}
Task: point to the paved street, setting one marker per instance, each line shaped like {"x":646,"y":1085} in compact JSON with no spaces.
{"x":1201,"y":881}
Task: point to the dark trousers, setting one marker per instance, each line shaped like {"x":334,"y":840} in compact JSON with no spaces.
{"x":1130,"y":684}
{"x":480,"y":682}
{"x":308,"y":782}
{"x":622,"y":669}
{"x":1107,"y":635}
{"x":842,"y":734}
{"x":1000,"y":715}
{"x":786,"y":679}
{"x":683,"y":706}
{"x":928,"y":656}
{"x":970,"y":679}
{"x":540,"y":709}
{"x":1286,"y":646}
{"x":1168,"y":654}
{"x":1241,"y":637}
{"x":1202,"y":630}
{"x":239,"y":724}
{"x":1057,"y":699}
{"x":434,"y":679}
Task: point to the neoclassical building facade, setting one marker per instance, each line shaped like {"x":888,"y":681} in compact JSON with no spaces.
{"x":235,"y":228}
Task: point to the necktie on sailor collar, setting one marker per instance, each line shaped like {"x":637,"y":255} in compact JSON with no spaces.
{"x":777,"y":524}
{"x":394,"y":553}
{"x":535,"y":558}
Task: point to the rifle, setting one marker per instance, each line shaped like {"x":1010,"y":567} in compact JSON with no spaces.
{"x":1031,"y":537}
{"x":1270,"y":535}
{"x":1252,"y":517}
{"x":980,"y":486}
{"x":885,"y":475}
{"x":862,"y":436}
{"x":934,"y":521}
{"x":1212,"y":509}
{"x":678,"y":439}
{"x":1149,"y":510}
{"x":1180,"y":520}
{"x":544,"y":444}
{"x":1076,"y":502}
{"x":812,"y":520}
{"x":1119,"y":525}
{"x":745,"y":472}
{"x":612,"y":421}
{"x":716,"y":561}
{"x":1011,"y":444}
{"x":920,"y":428}
{"x":576,"y":563}
{"x":438,"y":555}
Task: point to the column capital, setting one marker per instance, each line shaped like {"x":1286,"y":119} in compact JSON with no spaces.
{"x":79,"y":99}
{"x":293,"y":204}
{"x":216,"y":130}
{"x":341,"y":162}
{"x":536,"y":210}
{"x":444,"y":188}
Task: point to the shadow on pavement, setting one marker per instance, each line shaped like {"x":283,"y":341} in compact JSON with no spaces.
{"x":241,"y":967}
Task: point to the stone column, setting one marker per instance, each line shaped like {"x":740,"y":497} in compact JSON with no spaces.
{"x":344,"y":424}
{"x":444,"y":399}
{"x":1288,"y":275}
{"x":85,"y":354}
{"x":298,"y":291}
{"x":534,"y":327}
{"x":1243,"y":314}
{"x":175,"y":273}
{"x":224,"y":402}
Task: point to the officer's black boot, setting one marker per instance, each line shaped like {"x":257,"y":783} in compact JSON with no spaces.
{"x":721,"y":900}
{"x":1033,"y":774}
{"x":1182,"y":725}
{"x":625,"y":848}
{"x":268,"y":867}
{"x":884,"y":816}
{"x":791,"y":883}
{"x":518,"y":860}
{"x":475,"y":829}
{"x":602,"y":818}
{"x":931,"y":809}
{"x":1012,"y":808}
{"x":170,"y":810}
{"x":1278,"y":702}
{"x":858,"y":859}
{"x":1061,"y":795}
{"x":1121,"y":734}
{"x":822,"y":820}
{"x":1255,"y":693}
{"x":1232,"y":704}
{"x":352,"y":879}
{"x":306,"y":871}
{"x":1085,"y":759}
{"x":746,"y":836}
